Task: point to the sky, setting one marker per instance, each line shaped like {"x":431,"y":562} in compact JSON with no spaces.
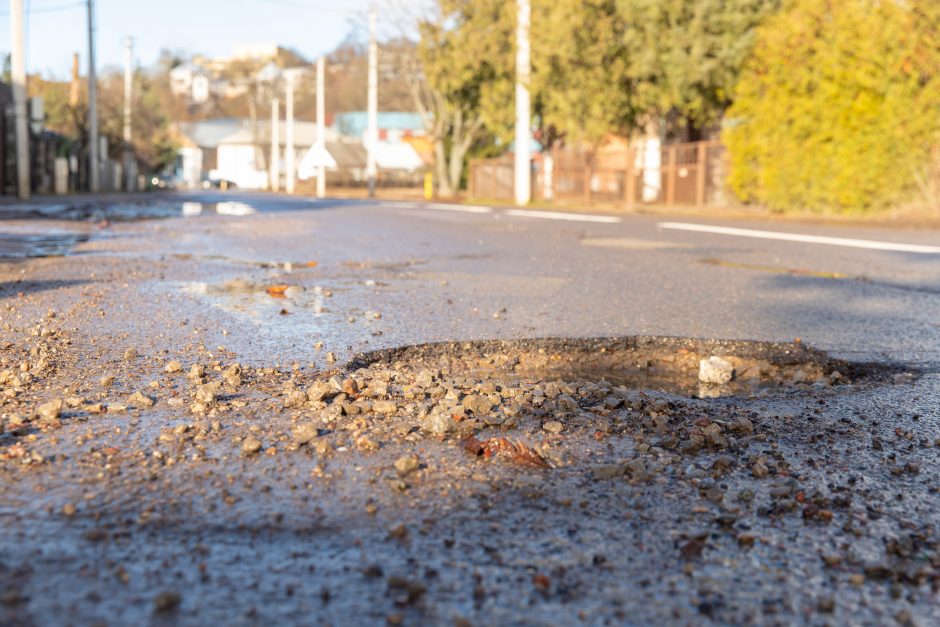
{"x":57,"y":28}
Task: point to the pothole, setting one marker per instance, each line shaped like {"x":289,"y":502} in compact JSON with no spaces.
{"x":670,"y":365}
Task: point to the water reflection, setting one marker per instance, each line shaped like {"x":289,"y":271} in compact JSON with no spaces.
{"x":226,"y":208}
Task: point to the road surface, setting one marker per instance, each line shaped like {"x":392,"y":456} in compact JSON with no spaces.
{"x":135,"y":494}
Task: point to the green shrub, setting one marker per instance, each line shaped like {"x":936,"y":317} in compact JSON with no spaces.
{"x":838,"y":107}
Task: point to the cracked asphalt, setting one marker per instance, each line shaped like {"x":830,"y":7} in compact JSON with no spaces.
{"x":200,"y":422}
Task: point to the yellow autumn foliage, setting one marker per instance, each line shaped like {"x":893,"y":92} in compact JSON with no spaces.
{"x":838,"y":107}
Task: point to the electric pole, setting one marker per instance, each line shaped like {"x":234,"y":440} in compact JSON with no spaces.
{"x":289,"y":134}
{"x":275,"y":145}
{"x":372,"y":134}
{"x":18,"y":71}
{"x":94,"y":167}
{"x":321,"y":129}
{"x":523,"y":166}
{"x":129,"y":174}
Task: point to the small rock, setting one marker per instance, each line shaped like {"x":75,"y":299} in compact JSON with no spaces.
{"x":50,"y":410}
{"x":439,"y":423}
{"x":406,"y":464}
{"x":384,"y":407}
{"x":106,"y":381}
{"x":69,"y":509}
{"x":295,"y":399}
{"x":130,"y":354}
{"x":553,"y":426}
{"x":251,"y":445}
{"x":304,"y":432}
{"x":319,"y":391}
{"x":166,"y":601}
{"x":139,"y":400}
{"x":715,"y":370}
{"x":207,"y":392}
{"x":477,"y":403}
{"x":608,"y":471}
{"x":173,"y":367}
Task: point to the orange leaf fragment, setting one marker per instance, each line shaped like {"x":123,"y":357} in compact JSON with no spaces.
{"x":277,"y":291}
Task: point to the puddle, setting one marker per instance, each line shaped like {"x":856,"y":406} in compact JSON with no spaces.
{"x":669,"y":365}
{"x":17,"y":244}
{"x":260,"y":302}
{"x":126,"y":211}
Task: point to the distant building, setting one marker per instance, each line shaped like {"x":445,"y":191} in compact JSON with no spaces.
{"x":195,"y":82}
{"x":227,"y":149}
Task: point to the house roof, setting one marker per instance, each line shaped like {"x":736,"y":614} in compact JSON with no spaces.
{"x":305,"y":134}
{"x":229,"y":131}
{"x":333,"y":155}
{"x":209,"y":133}
{"x":354,"y":123}
{"x":347,"y":154}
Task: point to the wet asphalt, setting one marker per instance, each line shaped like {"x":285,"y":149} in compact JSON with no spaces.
{"x":292,"y":283}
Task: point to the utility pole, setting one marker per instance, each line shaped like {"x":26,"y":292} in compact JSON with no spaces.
{"x":94,"y":166}
{"x":129,"y":174}
{"x":275,"y":145}
{"x":523,"y":166}
{"x":372,"y":134}
{"x":18,"y":71}
{"x":321,"y":128}
{"x":289,"y":134}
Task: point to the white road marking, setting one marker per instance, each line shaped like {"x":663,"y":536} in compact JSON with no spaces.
{"x":555,"y":215}
{"x":464,"y":208}
{"x":808,"y":239}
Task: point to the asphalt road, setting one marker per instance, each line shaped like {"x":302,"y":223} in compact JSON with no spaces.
{"x":590,"y":275}
{"x":419,"y":491}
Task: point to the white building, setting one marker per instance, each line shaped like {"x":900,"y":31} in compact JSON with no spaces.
{"x":193,"y":81}
{"x":227,"y":149}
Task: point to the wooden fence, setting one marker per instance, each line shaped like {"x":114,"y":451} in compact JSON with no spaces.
{"x":688,"y":174}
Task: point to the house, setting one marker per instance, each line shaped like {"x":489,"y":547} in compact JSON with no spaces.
{"x":198,"y":152}
{"x":345,"y":161}
{"x":229,"y":149}
{"x":195,"y":82}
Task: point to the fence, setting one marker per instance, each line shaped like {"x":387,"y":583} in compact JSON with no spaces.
{"x":687,"y":174}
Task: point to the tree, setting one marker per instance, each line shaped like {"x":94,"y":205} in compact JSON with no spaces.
{"x":685,"y":56}
{"x":449,"y":73}
{"x":67,"y":115}
{"x":837,"y":108}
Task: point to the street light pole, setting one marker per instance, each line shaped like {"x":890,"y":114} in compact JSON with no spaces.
{"x":129,"y":174}
{"x":18,"y":71}
{"x":372,"y":134}
{"x":94,"y":167}
{"x":275,"y":145}
{"x":321,"y":128}
{"x":289,"y":135}
{"x":523,"y":166}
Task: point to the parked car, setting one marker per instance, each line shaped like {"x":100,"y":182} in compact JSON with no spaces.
{"x":163,"y":181}
{"x":216,"y":183}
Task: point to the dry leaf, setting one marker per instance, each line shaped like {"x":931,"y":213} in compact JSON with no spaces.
{"x":277,"y":291}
